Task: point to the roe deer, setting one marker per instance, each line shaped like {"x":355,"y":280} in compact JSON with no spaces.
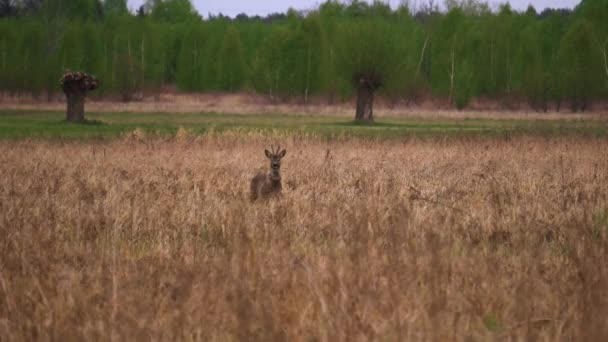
{"x":263,"y":185}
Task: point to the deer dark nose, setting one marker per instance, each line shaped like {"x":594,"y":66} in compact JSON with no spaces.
{"x":275,"y":165}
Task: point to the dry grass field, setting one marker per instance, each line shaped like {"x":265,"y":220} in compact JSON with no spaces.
{"x":464,"y":239}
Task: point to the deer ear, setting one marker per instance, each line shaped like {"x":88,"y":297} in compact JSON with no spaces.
{"x":282,"y":154}
{"x":268,"y":154}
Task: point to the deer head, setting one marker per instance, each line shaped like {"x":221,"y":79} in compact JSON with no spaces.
{"x":275,"y":161}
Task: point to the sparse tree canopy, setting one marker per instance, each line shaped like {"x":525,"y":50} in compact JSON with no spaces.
{"x":171,"y":10}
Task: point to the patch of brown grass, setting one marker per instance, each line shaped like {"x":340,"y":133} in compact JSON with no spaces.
{"x":148,"y":239}
{"x":244,"y":103}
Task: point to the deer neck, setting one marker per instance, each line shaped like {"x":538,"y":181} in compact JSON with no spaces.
{"x":275,"y":176}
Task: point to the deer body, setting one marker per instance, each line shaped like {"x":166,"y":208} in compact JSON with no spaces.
{"x":265,"y":185}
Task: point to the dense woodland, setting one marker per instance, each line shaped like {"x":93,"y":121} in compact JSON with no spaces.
{"x":456,"y":52}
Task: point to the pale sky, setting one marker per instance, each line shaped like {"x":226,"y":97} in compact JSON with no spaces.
{"x":263,"y":7}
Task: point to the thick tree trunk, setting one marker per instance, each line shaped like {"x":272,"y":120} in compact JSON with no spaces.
{"x":75,"y":111}
{"x":365,"y":103}
{"x":75,"y":86}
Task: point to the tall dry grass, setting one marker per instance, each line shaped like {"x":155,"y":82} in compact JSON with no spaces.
{"x":150,"y":239}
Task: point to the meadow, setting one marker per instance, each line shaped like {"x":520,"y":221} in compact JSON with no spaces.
{"x":485,"y":224}
{"x":151,"y":236}
{"x":20,"y":123}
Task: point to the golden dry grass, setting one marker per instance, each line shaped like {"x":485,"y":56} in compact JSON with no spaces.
{"x":458,"y":239}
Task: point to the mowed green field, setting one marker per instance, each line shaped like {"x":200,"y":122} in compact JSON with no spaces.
{"x":44,"y":124}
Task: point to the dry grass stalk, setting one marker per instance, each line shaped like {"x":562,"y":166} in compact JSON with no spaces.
{"x":157,"y":240}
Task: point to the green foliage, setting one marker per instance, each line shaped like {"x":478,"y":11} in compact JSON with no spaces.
{"x":269,"y":66}
{"x":581,"y":64}
{"x":115,"y":7}
{"x":492,"y":323}
{"x":73,"y":9}
{"x":288,"y":60}
{"x":189,"y":75}
{"x":30,"y":51}
{"x":231,"y":67}
{"x":173,"y":11}
{"x":544,"y":59}
{"x":463,"y":91}
{"x":373,"y":48}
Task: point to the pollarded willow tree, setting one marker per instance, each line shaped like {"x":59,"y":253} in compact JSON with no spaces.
{"x":76,"y":85}
{"x":371,"y":55}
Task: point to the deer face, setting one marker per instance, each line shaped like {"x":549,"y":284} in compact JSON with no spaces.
{"x":275,"y":159}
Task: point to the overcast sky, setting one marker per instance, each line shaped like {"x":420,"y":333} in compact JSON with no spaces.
{"x":263,"y":7}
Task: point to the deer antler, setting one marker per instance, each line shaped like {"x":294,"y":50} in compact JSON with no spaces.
{"x":277,"y":150}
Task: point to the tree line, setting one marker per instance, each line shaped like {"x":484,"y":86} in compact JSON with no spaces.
{"x":464,"y":50}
